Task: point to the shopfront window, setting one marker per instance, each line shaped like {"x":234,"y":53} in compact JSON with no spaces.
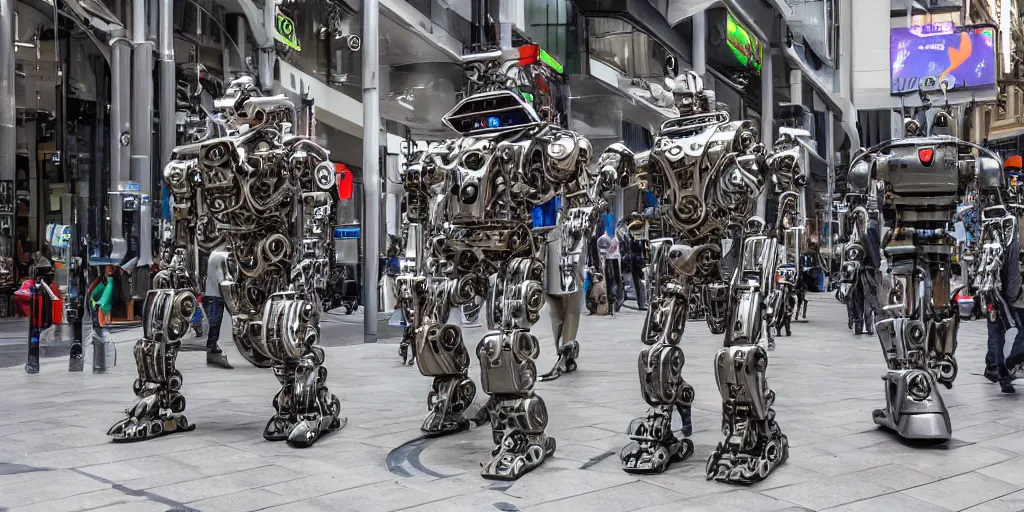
{"x":552,"y":25}
{"x":633,"y":53}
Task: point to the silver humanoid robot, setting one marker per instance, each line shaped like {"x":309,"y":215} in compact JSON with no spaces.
{"x":924,"y":178}
{"x":474,"y":196}
{"x":267,"y":196}
{"x":707,"y":173}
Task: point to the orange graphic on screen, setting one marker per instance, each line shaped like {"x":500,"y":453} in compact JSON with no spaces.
{"x":958,"y":56}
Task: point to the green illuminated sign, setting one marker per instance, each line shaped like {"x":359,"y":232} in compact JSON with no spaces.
{"x":286,"y":33}
{"x":550,"y":61}
{"x":746,"y":48}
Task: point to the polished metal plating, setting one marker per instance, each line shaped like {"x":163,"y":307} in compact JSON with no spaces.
{"x":924,"y":179}
{"x":265,"y":196}
{"x":470,"y":237}
{"x":707,"y":172}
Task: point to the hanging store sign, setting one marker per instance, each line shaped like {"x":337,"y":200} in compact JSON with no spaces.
{"x":285,"y":33}
{"x":746,"y":49}
{"x":926,"y":57}
{"x":732,"y":47}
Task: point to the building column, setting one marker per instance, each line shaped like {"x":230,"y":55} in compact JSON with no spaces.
{"x":8,"y":130}
{"x":767,"y":122}
{"x":700,"y":37}
{"x":168,"y":126}
{"x":371,"y":168}
{"x":142,"y":134}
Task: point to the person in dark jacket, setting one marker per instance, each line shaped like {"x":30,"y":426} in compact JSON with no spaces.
{"x":1006,"y":316}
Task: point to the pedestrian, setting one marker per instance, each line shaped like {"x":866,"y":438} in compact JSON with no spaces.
{"x":1005,"y":316}
{"x":216,"y":272}
{"x":608,"y":247}
{"x":42,"y":264}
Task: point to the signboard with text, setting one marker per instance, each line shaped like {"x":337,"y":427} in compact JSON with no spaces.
{"x":925,"y":57}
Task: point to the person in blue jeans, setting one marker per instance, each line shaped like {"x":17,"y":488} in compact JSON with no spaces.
{"x":216,"y":272}
{"x":1006,"y":317}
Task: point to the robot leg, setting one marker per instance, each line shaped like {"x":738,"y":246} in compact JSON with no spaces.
{"x":158,"y":410}
{"x":654,"y":445}
{"x":508,"y":372}
{"x":914,"y":408}
{"x":442,"y":354}
{"x":518,"y":416}
{"x":754,"y":445}
{"x":305,"y":409}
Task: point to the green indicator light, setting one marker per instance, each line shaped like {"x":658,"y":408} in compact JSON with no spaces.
{"x":550,"y":61}
{"x":528,"y":97}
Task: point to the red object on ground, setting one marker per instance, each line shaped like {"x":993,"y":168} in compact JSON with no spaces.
{"x":22,"y":298}
{"x":344,"y":179}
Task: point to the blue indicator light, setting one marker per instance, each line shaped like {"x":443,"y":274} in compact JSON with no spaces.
{"x":493,"y":122}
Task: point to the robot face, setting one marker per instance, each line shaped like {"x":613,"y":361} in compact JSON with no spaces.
{"x":688,"y":93}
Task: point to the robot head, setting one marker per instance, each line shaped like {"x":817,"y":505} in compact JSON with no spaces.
{"x":689,"y":95}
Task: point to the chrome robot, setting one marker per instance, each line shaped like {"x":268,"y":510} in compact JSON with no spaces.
{"x":474,"y":195}
{"x":267,"y":195}
{"x":707,"y":173}
{"x":924,"y":178}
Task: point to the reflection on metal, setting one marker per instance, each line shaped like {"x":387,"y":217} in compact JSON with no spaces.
{"x":469,"y":211}
{"x":250,"y":194}
{"x":707,"y":172}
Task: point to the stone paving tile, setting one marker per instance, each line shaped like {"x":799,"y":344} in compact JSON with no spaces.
{"x":631,"y":496}
{"x":828,"y":492}
{"x":85,"y":501}
{"x":893,"y":501}
{"x":963,"y":491}
{"x":38,"y":486}
{"x":894,"y":476}
{"x":745,"y":500}
{"x":249,"y":499}
{"x":1011,"y":471}
{"x":1013,"y":502}
{"x":195,"y":490}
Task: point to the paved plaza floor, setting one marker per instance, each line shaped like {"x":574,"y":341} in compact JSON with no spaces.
{"x":54,"y":454}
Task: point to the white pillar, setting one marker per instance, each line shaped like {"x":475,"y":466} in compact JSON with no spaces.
{"x":371,"y":168}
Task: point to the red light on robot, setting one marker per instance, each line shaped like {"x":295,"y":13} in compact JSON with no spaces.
{"x":343,"y":176}
{"x":925,"y":155}
{"x":528,"y":54}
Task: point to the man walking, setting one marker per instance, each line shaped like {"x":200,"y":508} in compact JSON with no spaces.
{"x":1004,"y":317}
{"x":216,"y":272}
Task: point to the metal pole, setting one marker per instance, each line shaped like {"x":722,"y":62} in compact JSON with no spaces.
{"x":167,"y":88}
{"x":120,"y":157}
{"x":767,"y":122}
{"x":267,"y":52}
{"x":142,"y":129}
{"x":700,"y":36}
{"x":8,"y":131}
{"x":831,"y":159}
{"x":371,"y":168}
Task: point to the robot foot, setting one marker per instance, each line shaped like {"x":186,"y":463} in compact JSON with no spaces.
{"x":646,"y":457}
{"x":516,"y":454}
{"x":135,"y":429}
{"x":914,"y":408}
{"x":654,"y":444}
{"x":566,"y":362}
{"x":449,"y":398}
{"x":308,"y":428}
{"x":748,"y":466}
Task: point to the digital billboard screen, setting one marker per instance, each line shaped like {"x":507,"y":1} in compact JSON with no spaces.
{"x":926,"y":56}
